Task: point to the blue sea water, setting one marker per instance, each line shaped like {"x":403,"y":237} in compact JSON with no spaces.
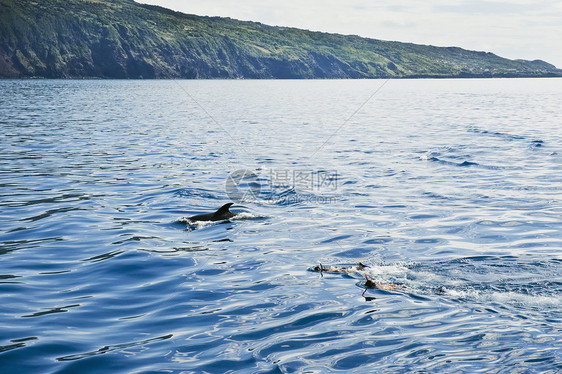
{"x":449,"y":189}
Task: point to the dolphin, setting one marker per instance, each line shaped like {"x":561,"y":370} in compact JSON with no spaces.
{"x":369,"y":283}
{"x":221,"y":214}
{"x":333,"y":269}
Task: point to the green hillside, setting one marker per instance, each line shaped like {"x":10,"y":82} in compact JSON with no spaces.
{"x":124,"y":39}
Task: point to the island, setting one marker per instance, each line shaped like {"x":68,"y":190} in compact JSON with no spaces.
{"x":124,"y":39}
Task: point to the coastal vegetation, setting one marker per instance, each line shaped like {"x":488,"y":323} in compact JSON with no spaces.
{"x":125,"y":39}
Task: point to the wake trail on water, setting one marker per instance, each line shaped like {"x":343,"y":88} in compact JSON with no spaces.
{"x":244,"y":216}
{"x":461,"y":280}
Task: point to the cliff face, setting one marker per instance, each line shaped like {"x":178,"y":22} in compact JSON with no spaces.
{"x":124,"y":39}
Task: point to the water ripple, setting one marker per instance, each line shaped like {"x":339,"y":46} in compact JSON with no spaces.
{"x":444,"y":189}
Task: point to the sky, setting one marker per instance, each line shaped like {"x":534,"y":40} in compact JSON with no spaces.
{"x":515,"y":29}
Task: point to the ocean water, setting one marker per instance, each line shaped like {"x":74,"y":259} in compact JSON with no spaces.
{"x":448,"y":190}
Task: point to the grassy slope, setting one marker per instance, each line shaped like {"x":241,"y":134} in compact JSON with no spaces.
{"x":123,"y":39}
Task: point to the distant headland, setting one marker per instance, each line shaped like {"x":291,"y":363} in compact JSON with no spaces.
{"x":127,"y":40}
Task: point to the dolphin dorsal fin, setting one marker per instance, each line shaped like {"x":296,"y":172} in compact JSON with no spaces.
{"x":224,"y":211}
